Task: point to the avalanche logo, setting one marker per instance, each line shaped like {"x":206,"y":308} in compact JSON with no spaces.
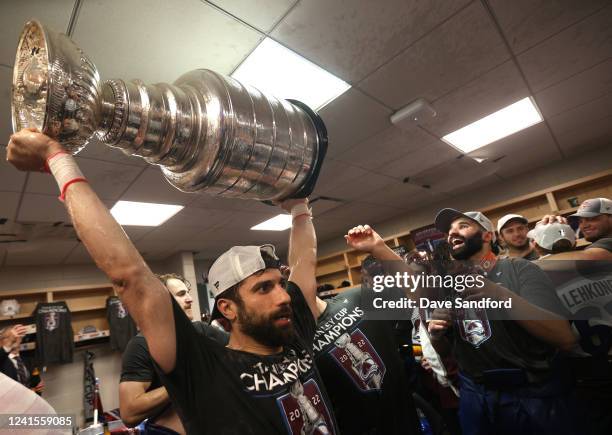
{"x":121,"y":311}
{"x":304,"y":411}
{"x":359,"y":360}
{"x":474,"y":331}
{"x":51,"y":320}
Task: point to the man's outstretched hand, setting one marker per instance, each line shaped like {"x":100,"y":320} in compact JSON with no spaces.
{"x":29,"y":149}
{"x":364,"y":238}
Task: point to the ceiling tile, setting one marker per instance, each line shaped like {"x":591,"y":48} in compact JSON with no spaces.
{"x":11,"y":180}
{"x":569,"y":52}
{"x":109,"y":180}
{"x":136,"y":232}
{"x":204,"y":219}
{"x":351,"y":118}
{"x":527,"y":149}
{"x":336,"y":34}
{"x":592,"y":134}
{"x":42,"y":208}
{"x":336,"y":172}
{"x":166,"y":40}
{"x":454,"y":175}
{"x":400,"y":195}
{"x":262,"y":14}
{"x":8,"y":204}
{"x":37,"y":252}
{"x":152,"y":186}
{"x":15,"y":13}
{"x":215,"y":202}
{"x":526,"y":23}
{"x":386,"y":146}
{"x":578,"y":118}
{"x":458,"y":51}
{"x":581,"y":88}
{"x":355,"y":188}
{"x":428,"y":156}
{"x":78,"y":255}
{"x":359,"y":213}
{"x":484,"y":95}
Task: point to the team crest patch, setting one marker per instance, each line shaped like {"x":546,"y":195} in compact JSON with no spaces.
{"x":475,"y":330}
{"x":356,"y":355}
{"x":121,"y":311}
{"x":51,"y":320}
{"x":305,"y":411}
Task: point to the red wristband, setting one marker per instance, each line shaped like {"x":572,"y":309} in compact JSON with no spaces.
{"x":62,"y":197}
{"x":50,"y":157}
{"x":302,"y":214}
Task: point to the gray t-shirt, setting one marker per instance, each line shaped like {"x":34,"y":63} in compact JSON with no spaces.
{"x":604,"y":243}
{"x":482,"y":344}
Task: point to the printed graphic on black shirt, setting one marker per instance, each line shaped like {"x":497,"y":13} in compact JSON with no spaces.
{"x":54,"y":337}
{"x":329,"y":331}
{"x":304,"y":410}
{"x":122,"y":327}
{"x":264,"y":378}
{"x":473,"y":326}
{"x":51,"y":320}
{"x":360,"y":361}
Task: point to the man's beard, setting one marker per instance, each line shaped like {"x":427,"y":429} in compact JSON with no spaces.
{"x":470,"y":247}
{"x":263,"y":329}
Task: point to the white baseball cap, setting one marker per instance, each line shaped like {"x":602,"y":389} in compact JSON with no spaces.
{"x":446,"y":216}
{"x":236,"y":264}
{"x":507,"y":218}
{"x":547,"y":235}
{"x":594,"y":207}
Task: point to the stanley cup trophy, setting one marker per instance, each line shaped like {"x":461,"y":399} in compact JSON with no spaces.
{"x":206,"y":131}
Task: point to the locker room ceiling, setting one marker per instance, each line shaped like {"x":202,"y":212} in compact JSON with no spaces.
{"x":467,"y":58}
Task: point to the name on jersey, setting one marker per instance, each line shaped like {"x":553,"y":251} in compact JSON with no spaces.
{"x":341,"y":321}
{"x":575,"y":296}
{"x":265,"y":377}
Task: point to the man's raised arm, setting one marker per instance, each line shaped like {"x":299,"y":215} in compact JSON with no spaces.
{"x":303,"y":251}
{"x":144,"y":295}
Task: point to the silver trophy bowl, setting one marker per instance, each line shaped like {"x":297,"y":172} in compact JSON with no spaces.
{"x":207,"y":132}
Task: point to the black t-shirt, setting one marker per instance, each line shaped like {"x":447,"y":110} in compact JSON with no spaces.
{"x":137,"y":364}
{"x":482,"y":344}
{"x":222,"y":391}
{"x":605,"y":243}
{"x":54,"y":336}
{"x":122,"y":327}
{"x":362,"y":370}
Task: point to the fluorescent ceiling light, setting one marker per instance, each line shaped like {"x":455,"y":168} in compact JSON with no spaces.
{"x":282,"y":73}
{"x":144,"y":214}
{"x":277,"y":223}
{"x":495,"y":126}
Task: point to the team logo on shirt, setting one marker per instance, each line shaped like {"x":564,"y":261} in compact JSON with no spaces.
{"x":121,"y":311}
{"x":51,"y":320}
{"x":304,"y":411}
{"x":360,"y":361}
{"x":474,"y":326}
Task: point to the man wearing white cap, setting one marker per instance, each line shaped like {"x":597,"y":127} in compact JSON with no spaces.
{"x":595,"y":221}
{"x":507,"y":372}
{"x":512,"y":230}
{"x":553,"y":238}
{"x":264,"y":381}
